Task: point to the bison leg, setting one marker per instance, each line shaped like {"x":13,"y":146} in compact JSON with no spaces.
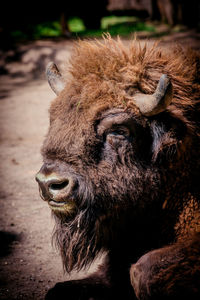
{"x":88,"y":289}
{"x":111,"y":285}
{"x":172,"y":272}
{"x":85,"y":289}
{"x":109,"y":282}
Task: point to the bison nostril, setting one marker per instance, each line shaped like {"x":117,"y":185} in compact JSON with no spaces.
{"x":59,"y":186}
{"x":55,"y":187}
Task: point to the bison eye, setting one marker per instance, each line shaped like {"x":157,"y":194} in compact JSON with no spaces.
{"x":119,"y":132}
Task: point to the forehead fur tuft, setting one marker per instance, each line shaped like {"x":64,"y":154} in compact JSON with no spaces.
{"x":109,"y":70}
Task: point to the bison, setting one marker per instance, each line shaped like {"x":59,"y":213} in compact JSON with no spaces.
{"x":121,"y":170}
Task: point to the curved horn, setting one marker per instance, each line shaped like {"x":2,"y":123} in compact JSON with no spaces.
{"x":54,"y":78}
{"x":154,"y":104}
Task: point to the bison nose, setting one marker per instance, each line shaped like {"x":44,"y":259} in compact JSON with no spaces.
{"x":54,"y":187}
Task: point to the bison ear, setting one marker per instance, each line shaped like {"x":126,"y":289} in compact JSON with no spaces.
{"x":54,"y":78}
{"x":150,"y":105}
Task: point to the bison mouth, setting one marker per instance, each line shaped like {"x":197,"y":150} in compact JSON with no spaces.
{"x":61,"y":204}
{"x":54,"y":203}
{"x":65,"y":207}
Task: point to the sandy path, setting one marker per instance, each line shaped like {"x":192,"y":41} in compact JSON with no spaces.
{"x":28,"y":263}
{"x":25,"y":220}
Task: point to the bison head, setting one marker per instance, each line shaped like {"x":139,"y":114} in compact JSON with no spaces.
{"x":116,"y":148}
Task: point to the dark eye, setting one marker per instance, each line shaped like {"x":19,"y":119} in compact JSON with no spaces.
{"x":119,"y":132}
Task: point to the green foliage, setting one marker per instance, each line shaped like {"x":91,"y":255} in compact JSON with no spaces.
{"x":115,"y":25}
{"x":76,"y":24}
{"x":18,"y":35}
{"x":43,"y":30}
{"x":114,"y":20}
{"x":48,"y":29}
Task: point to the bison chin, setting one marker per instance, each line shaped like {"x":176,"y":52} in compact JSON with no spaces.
{"x":76,"y":239}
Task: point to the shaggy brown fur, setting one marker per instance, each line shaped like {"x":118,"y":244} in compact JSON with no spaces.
{"x":111,"y":69}
{"x":135,"y":179}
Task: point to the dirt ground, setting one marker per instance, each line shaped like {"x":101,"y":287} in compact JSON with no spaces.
{"x":29,"y":265}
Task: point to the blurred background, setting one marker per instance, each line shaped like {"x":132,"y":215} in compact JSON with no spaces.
{"x":20,"y":21}
{"x":32,"y":33}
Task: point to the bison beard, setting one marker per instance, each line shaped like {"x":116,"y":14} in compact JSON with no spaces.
{"x":121,"y":168}
{"x":78,"y":246}
{"x":82,"y":237}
